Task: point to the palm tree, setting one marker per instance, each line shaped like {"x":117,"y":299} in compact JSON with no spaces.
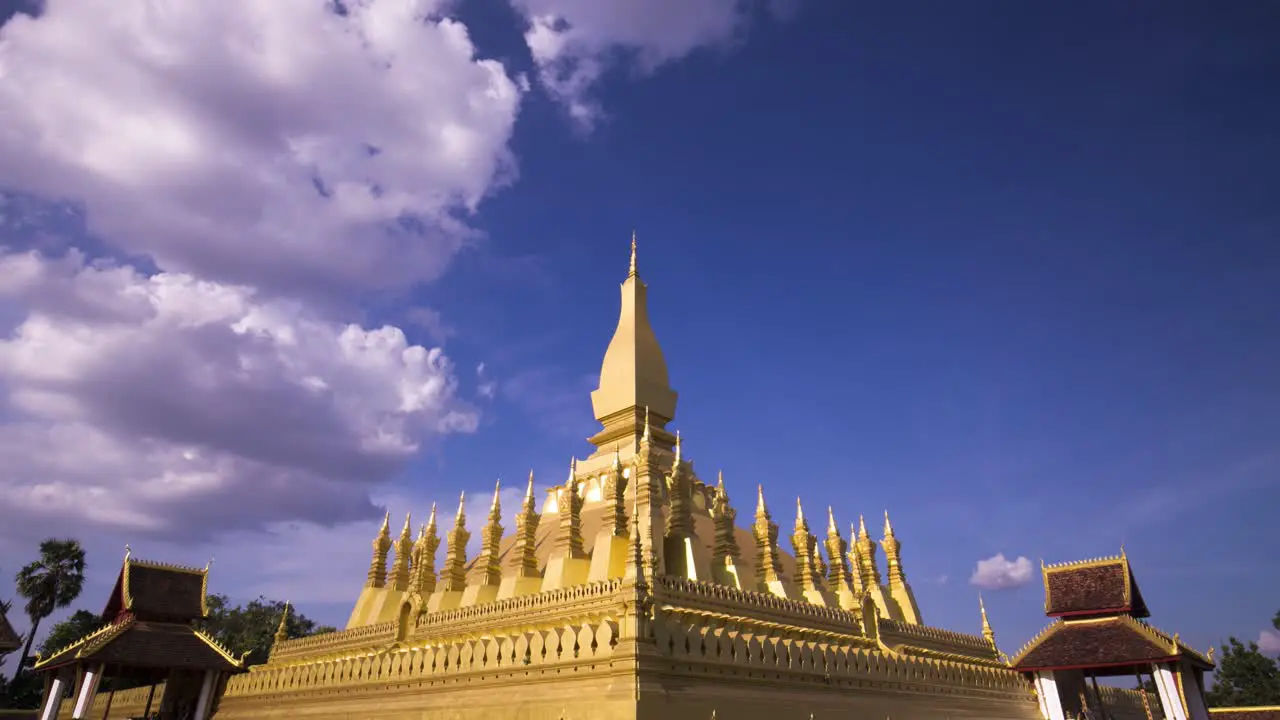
{"x":54,"y":581}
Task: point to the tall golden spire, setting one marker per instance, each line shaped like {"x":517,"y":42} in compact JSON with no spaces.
{"x":615,"y":488}
{"x":768,"y":563}
{"x":454,"y":575}
{"x":491,"y":542}
{"x":404,"y":548}
{"x":838,"y":574}
{"x":856,"y":569}
{"x":422,"y":578}
{"x":725,"y":562}
{"x":867,"y":551}
{"x":570,"y":538}
{"x":381,"y":546}
{"x":891,"y":553}
{"x":524,"y":558}
{"x":679,"y":498}
{"x":633,"y":375}
{"x":805,"y":546}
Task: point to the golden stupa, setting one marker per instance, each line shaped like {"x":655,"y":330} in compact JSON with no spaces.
{"x":630,"y":592}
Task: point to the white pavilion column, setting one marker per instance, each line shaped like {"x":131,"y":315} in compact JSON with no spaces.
{"x":1170,"y":698}
{"x":205,"y":701}
{"x":88,"y":687}
{"x":1190,"y":680}
{"x":1047,"y":692}
{"x":53,"y":703}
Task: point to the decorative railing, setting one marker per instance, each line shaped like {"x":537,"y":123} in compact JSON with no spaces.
{"x":937,"y":638}
{"x":514,"y":651}
{"x":528,"y":608}
{"x":124,"y":703}
{"x":336,"y":642}
{"x":830,"y":663}
{"x":745,"y":602}
{"x":1122,"y":704}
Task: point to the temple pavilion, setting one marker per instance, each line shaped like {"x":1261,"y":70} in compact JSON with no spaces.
{"x":149,"y":640}
{"x":9,"y":639}
{"x":1100,"y":631}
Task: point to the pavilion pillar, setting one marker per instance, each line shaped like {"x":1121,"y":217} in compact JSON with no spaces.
{"x":1170,"y":697}
{"x":88,"y":686}
{"x":53,"y":701}
{"x":205,"y":700}
{"x":1047,"y":692}
{"x":1191,"y":683}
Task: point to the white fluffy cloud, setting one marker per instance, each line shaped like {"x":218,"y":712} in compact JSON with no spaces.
{"x":999,"y":573}
{"x":573,"y":41}
{"x":280,"y":144}
{"x":169,"y":405}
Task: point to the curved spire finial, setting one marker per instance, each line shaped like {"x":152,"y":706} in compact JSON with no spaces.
{"x":632,"y":272}
{"x":127,"y":552}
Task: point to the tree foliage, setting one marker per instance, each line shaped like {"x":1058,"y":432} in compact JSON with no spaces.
{"x":1245,"y":676}
{"x":52,"y":581}
{"x":252,"y":627}
{"x":81,"y":623}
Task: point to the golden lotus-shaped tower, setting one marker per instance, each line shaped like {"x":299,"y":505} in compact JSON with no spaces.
{"x":629,"y":591}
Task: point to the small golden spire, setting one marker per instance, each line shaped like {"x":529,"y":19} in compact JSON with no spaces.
{"x":386,"y":524}
{"x":831,"y":521}
{"x":461,"y":518}
{"x":282,"y":632}
{"x":799,"y":512}
{"x":987,"y":632}
{"x":646,"y":437}
{"x":862,"y":527}
{"x":888,"y":526}
{"x":632,"y":272}
{"x":528,"y":491}
{"x":720,"y":481}
{"x":760,"y":499}
{"x":431,"y":521}
{"x":407,"y":531}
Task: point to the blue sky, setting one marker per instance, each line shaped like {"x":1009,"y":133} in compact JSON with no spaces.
{"x":1009,"y":271}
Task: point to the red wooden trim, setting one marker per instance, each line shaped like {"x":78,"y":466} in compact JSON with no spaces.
{"x":1126,"y":663}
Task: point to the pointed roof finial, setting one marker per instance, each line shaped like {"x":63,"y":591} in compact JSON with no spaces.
{"x":831,"y":522}
{"x":386,"y":523}
{"x":888,"y":527}
{"x":678,"y":447}
{"x":573,"y":469}
{"x":208,"y":566}
{"x":127,"y":552}
{"x":408,"y":525}
{"x":431,"y":521}
{"x":760,"y":499}
{"x":497,"y":488}
{"x":632,"y":271}
{"x":282,"y":631}
{"x":720,"y":480}
{"x":799,"y":511}
{"x":862,"y":526}
{"x":460,"y":517}
{"x":528,"y":491}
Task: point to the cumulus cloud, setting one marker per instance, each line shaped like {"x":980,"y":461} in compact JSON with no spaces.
{"x":286,"y":145}
{"x":574,"y":41}
{"x":170,"y":405}
{"x":1269,"y":642}
{"x":998,"y":573}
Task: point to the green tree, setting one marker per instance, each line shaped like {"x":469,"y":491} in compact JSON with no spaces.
{"x":1244,"y":677}
{"x":51,"y":582}
{"x":252,"y":627}
{"x":81,"y":623}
